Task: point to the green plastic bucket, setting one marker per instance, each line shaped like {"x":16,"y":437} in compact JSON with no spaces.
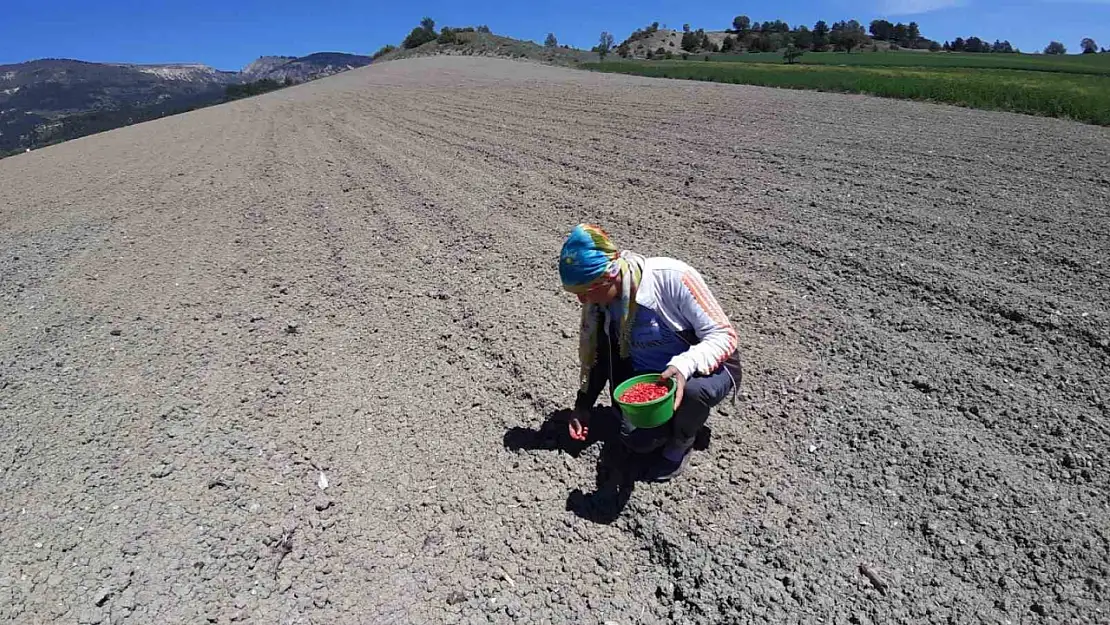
{"x":651,"y":414}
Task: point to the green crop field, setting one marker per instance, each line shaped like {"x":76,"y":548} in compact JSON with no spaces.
{"x":1077,"y":96}
{"x":1076,"y":63}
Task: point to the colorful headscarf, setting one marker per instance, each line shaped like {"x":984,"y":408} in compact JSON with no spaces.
{"x":588,"y":255}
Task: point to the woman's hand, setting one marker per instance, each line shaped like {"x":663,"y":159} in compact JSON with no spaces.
{"x":679,"y":382}
{"x":579,"y":425}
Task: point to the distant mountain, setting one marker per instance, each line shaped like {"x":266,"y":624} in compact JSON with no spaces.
{"x":265,"y":64}
{"x":60,"y":86}
{"x":304,"y":68}
{"x":50,"y":100}
{"x":185,"y":72}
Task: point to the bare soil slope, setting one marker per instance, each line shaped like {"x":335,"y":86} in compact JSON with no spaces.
{"x":356,"y":278}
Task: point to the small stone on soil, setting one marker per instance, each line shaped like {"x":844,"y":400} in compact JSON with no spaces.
{"x":455,"y":598}
{"x":101,"y":596}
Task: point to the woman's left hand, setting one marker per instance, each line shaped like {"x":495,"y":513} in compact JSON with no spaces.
{"x":679,"y":382}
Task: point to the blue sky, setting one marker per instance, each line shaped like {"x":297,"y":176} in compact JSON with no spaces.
{"x":228,"y":34}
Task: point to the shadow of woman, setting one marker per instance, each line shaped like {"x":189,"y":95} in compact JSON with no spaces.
{"x":616,"y":479}
{"x":552,"y":434}
{"x":616,"y":467}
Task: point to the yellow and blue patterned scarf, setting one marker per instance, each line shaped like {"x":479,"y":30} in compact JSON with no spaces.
{"x":589,"y":256}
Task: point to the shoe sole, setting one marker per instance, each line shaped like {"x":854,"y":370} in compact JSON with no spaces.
{"x":677,"y":472}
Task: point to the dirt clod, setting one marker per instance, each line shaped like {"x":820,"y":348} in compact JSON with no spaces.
{"x":874,"y":578}
{"x":162,"y":471}
{"x":455,"y":598}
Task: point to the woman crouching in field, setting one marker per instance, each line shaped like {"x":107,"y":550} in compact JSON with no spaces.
{"x":657,"y":315}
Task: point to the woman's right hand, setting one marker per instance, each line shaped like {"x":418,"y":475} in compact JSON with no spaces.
{"x":579,"y":425}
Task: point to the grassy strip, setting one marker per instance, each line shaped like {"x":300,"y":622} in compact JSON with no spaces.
{"x":1072,"y":96}
{"x":1098,"y":64}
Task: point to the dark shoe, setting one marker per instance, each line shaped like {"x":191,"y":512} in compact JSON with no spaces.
{"x":666,"y":470}
{"x":643,"y":440}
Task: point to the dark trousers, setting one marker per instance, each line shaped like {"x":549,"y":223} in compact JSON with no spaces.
{"x":701,"y":394}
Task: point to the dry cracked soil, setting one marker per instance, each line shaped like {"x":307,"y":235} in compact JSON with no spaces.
{"x":356,"y":278}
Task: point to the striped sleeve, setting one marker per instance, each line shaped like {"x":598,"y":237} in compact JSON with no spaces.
{"x":708,"y":320}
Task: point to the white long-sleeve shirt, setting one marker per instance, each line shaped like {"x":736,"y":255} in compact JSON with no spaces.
{"x":677,"y":296}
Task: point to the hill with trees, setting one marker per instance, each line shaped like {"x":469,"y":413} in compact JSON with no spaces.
{"x":426,"y":40}
{"x":745,"y":35}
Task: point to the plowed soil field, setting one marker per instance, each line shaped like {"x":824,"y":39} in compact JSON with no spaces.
{"x":353,"y":282}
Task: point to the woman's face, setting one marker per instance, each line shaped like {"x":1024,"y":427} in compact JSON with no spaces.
{"x":603,"y":292}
